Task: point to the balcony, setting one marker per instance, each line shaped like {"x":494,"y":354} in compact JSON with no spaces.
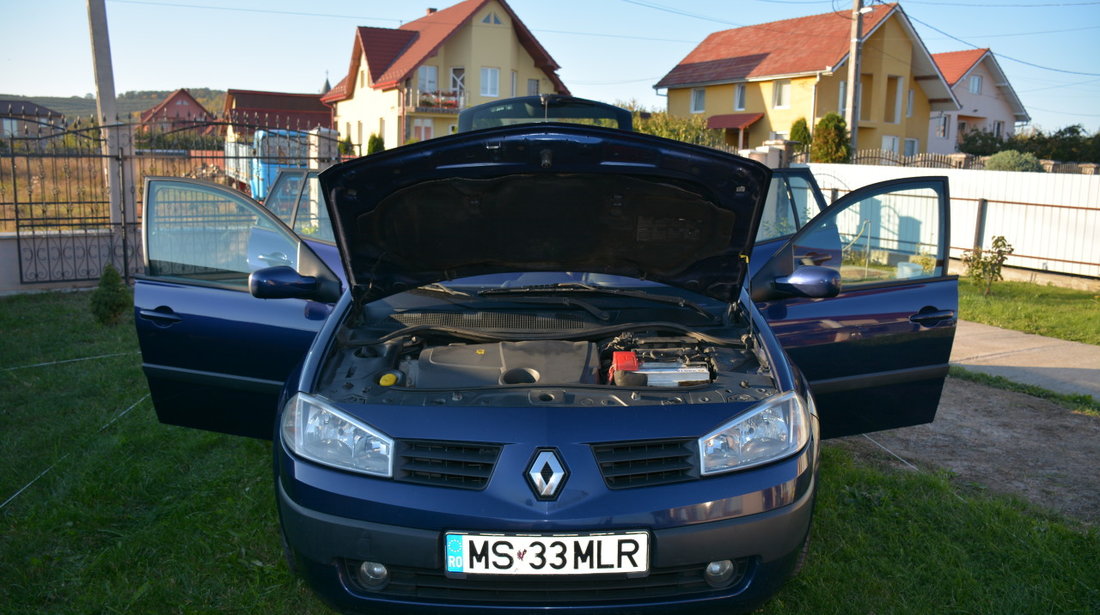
{"x":435,"y":101}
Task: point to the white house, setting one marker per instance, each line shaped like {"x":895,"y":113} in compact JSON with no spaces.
{"x":986,"y":98}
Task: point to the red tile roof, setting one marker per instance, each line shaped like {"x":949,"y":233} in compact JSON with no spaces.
{"x":733,"y":120}
{"x":394,"y":54}
{"x":955,"y":64}
{"x":162,"y":108}
{"x":788,"y":47}
{"x":277,"y":109}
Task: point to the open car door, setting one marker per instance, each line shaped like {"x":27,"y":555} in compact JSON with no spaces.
{"x":875,"y":355}
{"x":216,"y":357}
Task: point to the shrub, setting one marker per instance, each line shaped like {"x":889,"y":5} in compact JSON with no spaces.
{"x":984,"y":266}
{"x":800,"y":132}
{"x":345,"y":146}
{"x":830,"y":142}
{"x":375,"y":144}
{"x":1011,"y":160}
{"x":111,"y":299}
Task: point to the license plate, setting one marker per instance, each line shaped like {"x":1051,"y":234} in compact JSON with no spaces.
{"x":619,"y":553}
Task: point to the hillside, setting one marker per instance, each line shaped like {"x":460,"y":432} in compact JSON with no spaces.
{"x":133,"y":102}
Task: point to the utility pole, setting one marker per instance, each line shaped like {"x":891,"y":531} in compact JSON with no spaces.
{"x":852,"y":95}
{"x":107,"y":119}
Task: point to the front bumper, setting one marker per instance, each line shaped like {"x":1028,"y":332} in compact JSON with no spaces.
{"x":763,"y":546}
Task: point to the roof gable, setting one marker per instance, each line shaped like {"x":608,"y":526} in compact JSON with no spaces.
{"x":393,"y":55}
{"x":277,"y":109}
{"x":162,"y":108}
{"x":788,"y":47}
{"x":955,"y":64}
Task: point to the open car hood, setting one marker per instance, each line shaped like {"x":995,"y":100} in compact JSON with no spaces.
{"x":546,"y":197}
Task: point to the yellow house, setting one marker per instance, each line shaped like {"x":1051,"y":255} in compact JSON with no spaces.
{"x":409,"y":83}
{"x":755,"y":82}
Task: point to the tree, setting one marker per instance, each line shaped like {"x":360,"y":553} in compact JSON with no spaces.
{"x":800,"y":132}
{"x":687,"y":129}
{"x":830,"y":141}
{"x":1011,"y":160}
{"x":375,"y":144}
{"x":111,"y":299}
{"x":984,"y":266}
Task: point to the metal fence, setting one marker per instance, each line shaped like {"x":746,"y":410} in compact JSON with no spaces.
{"x":55,"y":204}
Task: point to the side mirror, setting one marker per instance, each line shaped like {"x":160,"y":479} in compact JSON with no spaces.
{"x":810,"y":281}
{"x":284,"y":282}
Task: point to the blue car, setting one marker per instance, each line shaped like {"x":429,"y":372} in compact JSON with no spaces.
{"x":556,"y":370}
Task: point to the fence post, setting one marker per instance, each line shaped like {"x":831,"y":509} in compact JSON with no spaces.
{"x":979,"y":224}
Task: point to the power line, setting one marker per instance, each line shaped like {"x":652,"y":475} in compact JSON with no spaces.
{"x":244,"y":10}
{"x":1004,"y":6}
{"x":1000,"y":55}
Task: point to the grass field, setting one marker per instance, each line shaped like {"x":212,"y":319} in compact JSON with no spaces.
{"x":119,"y":514}
{"x":1052,"y":311}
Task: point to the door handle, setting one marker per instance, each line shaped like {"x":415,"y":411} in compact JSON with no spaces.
{"x":275,"y":258}
{"x":162,"y":316}
{"x":930,"y":316}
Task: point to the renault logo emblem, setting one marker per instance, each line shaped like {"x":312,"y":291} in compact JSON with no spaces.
{"x":546,"y":474}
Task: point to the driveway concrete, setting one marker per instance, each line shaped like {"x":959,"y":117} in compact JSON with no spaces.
{"x":1063,"y":367}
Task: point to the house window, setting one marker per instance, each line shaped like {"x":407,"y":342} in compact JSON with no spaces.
{"x":422,"y":129}
{"x":698,"y":100}
{"x":912,"y":147}
{"x":739,"y":97}
{"x":909,"y":104}
{"x":890,"y":143}
{"x":362,"y":78}
{"x":458,"y":80}
{"x":532,"y":87}
{"x":781,"y":94}
{"x":490,"y":81}
{"x":491,"y":19}
{"x":515,"y":82}
{"x":962,"y":129}
{"x":427,"y":79}
{"x":975,"y":84}
{"x":942,"y":126}
{"x":893,"y":100}
{"x":842,"y":104}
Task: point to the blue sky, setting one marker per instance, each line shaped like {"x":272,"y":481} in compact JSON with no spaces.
{"x":608,"y":49}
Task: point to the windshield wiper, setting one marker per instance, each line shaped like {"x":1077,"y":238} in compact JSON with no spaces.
{"x":566,"y":301}
{"x":574,"y":287}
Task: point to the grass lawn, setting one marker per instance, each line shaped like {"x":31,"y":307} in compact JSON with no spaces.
{"x":131,"y":516}
{"x":1052,"y":311}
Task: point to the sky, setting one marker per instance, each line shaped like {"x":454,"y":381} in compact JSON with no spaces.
{"x":610,"y":50}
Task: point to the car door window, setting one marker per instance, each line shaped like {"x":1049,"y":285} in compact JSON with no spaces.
{"x":881,"y":238}
{"x":283,"y":197}
{"x":791,"y":202}
{"x":206,"y":234}
{"x":311,"y":221}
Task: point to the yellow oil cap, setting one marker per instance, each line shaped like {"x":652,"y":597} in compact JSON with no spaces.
{"x":388,"y":379}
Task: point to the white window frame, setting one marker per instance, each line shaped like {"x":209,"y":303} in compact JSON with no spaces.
{"x":515,"y":83}
{"x":975,"y":86}
{"x":458,"y":79}
{"x":890,"y":143}
{"x":739,"y":96}
{"x":781,"y":94}
{"x":533,"y":87}
{"x":911,"y":145}
{"x":490,"y":81}
{"x":423,"y":129}
{"x":427,"y":78}
{"x":909,"y":104}
{"x":698,"y":100}
{"x":842,"y":102}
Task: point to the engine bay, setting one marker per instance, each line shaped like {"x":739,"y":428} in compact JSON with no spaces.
{"x":660,"y":363}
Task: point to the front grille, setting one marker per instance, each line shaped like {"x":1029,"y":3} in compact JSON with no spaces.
{"x":646,"y":462}
{"x":433,"y":585}
{"x":462,"y":465}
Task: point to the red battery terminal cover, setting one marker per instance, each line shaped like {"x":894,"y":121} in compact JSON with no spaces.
{"x":622,"y":361}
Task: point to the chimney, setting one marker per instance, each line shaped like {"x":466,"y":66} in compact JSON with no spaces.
{"x":430,"y":11}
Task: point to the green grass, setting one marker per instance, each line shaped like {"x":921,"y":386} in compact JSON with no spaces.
{"x":137,"y":517}
{"x":1052,"y":311}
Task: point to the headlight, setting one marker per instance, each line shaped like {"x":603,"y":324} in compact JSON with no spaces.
{"x":321,"y":433}
{"x":776,"y":428}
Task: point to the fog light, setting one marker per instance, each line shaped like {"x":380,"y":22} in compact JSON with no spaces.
{"x":719,"y":574}
{"x":373,"y":575}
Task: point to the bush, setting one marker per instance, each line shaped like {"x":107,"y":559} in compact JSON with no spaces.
{"x":1011,"y":160}
{"x":111,"y":299}
{"x":981,"y":143}
{"x":830,"y":142}
{"x":345,"y":146}
{"x":375,"y":144}
{"x":984,"y":266}
{"x":800,"y":132}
